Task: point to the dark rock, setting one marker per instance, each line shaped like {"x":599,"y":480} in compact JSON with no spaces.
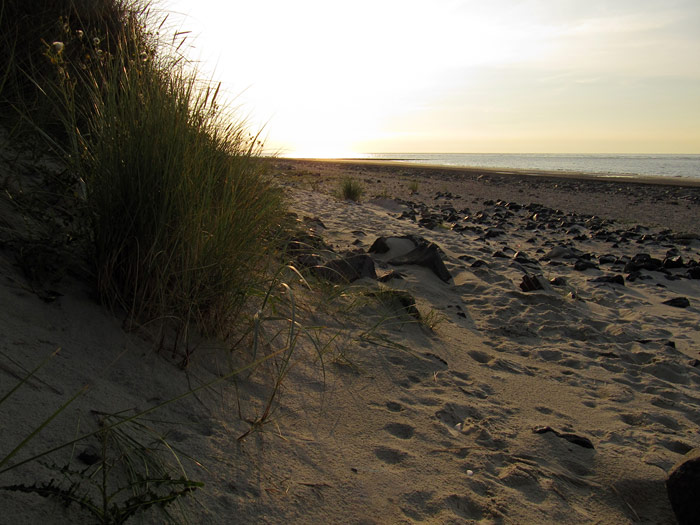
{"x":610,"y":279}
{"x":694,"y":272}
{"x":582,"y":265}
{"x":572,"y":438}
{"x":500,"y":255}
{"x":492,"y":233}
{"x":561,"y":252}
{"x":408,"y":214}
{"x":427,"y":256}
{"x":479,"y":263}
{"x":531,"y":283}
{"x":607,"y":259}
{"x":673,"y":262}
{"x":347,"y":269}
{"x":558,"y":281}
{"x":678,"y":302}
{"x":430,"y":221}
{"x":643,"y":261}
{"x":379,"y":246}
{"x":637,"y":275}
{"x":683,"y":488}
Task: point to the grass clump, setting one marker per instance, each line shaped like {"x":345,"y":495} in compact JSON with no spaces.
{"x":175,"y":197}
{"x":350,"y":189}
{"x":413,"y":187}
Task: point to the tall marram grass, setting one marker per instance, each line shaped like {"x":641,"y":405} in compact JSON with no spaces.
{"x":179,"y":206}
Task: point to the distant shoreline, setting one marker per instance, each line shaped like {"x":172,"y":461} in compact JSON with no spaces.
{"x":545,"y":174}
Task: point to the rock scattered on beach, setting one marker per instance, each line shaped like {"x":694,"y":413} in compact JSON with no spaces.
{"x":379,"y":246}
{"x":531,"y":283}
{"x":683,"y":488}
{"x":678,"y":302}
{"x":609,"y":279}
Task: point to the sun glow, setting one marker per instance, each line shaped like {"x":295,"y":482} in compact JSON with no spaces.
{"x":334,"y":78}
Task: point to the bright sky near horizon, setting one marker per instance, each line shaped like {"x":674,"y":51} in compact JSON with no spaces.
{"x":335,"y":78}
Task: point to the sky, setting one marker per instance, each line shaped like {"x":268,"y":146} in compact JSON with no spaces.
{"x":335,"y":78}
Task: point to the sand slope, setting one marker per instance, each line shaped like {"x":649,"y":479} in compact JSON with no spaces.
{"x":400,"y":424}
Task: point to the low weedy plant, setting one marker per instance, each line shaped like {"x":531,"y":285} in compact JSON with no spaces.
{"x":351,"y":189}
{"x":131,"y":470}
{"x":129,"y":467}
{"x":413,"y":187}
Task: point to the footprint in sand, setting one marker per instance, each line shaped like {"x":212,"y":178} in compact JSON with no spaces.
{"x":400,"y":430}
{"x":465,"y":506}
{"x":389,"y":455}
{"x":392,"y":406}
{"x":525,"y":479}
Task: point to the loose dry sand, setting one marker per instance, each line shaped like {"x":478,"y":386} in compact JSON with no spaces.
{"x":400,"y":423}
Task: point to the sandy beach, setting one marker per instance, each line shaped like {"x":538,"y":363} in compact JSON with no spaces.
{"x":546,"y":372}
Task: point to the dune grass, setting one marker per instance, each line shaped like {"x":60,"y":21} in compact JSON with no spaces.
{"x":351,"y":189}
{"x":178,"y":208}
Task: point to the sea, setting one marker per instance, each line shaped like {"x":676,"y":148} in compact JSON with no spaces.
{"x":604,"y":165}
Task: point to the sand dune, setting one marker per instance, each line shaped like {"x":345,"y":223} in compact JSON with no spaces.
{"x":562,"y":404}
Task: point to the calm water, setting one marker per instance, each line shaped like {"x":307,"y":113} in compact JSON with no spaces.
{"x":679,"y":166}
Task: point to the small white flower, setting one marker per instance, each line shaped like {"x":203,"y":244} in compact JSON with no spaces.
{"x":143,"y":56}
{"x":95,"y":41}
{"x":58,"y":47}
{"x":79,"y":32}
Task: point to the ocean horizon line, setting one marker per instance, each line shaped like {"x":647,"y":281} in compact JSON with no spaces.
{"x":670,"y":165}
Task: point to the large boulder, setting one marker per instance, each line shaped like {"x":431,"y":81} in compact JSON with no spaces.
{"x":683,"y":488}
{"x":426,"y":255}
